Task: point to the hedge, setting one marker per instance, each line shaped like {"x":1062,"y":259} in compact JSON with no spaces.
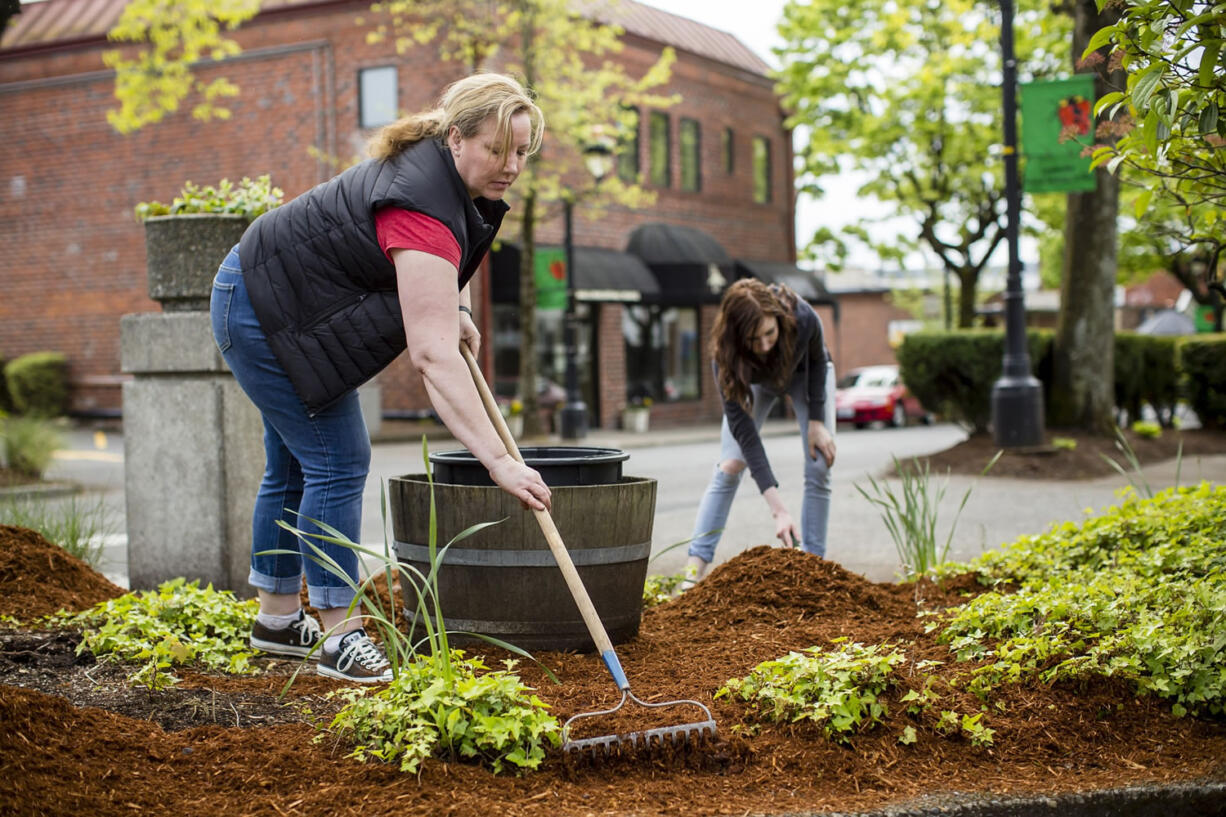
{"x":38,"y":384}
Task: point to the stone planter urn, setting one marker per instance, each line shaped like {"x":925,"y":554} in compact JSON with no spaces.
{"x":183,"y":253}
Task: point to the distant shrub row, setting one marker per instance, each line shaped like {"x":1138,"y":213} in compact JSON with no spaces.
{"x":953,"y":373}
{"x":35,"y":385}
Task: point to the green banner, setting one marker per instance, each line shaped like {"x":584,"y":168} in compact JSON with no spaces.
{"x":549,"y":268}
{"x":1057,"y":126}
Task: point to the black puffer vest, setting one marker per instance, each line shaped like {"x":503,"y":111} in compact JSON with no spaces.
{"x":322,"y":288}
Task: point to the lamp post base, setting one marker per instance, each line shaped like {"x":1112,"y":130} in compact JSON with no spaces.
{"x":1017,"y":412}
{"x":573,"y":420}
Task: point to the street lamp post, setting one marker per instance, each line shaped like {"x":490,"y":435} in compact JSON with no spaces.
{"x":573,"y":423}
{"x":1017,"y":397}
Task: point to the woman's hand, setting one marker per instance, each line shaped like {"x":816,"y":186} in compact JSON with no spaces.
{"x":785,"y":530}
{"x":821,"y":442}
{"x":469,"y":334}
{"x":521,"y":482}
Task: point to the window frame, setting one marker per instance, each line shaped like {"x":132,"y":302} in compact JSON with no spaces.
{"x":692,"y":153}
{"x":762,"y":170}
{"x":629,"y":145}
{"x":363,"y":73}
{"x":660,"y":174}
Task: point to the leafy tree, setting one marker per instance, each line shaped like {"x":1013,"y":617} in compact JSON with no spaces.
{"x":1175,"y":89}
{"x":901,"y":90}
{"x":8,"y":10}
{"x":586,"y":97}
{"x":1083,"y":347}
{"x":155,"y":76}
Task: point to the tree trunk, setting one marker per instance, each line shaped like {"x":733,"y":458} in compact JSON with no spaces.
{"x":527,"y":317}
{"x":1083,"y":384}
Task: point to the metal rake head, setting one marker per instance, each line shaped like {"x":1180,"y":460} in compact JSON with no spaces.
{"x":679,"y":736}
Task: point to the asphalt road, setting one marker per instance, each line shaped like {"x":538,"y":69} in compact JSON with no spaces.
{"x":997,"y":510}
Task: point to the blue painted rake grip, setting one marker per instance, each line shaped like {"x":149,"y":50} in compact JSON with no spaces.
{"x":615,"y":669}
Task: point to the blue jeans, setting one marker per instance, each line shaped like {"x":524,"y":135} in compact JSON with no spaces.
{"x":815,"y":508}
{"x":315,"y":466}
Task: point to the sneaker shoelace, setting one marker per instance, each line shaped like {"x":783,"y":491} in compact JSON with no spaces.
{"x":308,"y":630}
{"x":365,"y":653}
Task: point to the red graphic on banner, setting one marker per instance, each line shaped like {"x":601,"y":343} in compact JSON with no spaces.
{"x":1074,"y":114}
{"x":558,"y":270}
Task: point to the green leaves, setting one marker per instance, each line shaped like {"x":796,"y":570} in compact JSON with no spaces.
{"x":1137,"y":593}
{"x":838,"y":689}
{"x":153,"y":78}
{"x":176,"y":625}
{"x":477,"y":715}
{"x":247,"y":198}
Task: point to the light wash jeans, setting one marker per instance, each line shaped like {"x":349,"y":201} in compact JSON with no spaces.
{"x":315,"y":467}
{"x":815,"y":508}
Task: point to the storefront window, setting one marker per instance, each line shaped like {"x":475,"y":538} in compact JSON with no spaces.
{"x":550,"y":355}
{"x":661,"y":352}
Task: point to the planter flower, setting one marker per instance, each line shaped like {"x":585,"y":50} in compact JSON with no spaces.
{"x":513,"y":413}
{"x":186,"y":239}
{"x":636,"y":416}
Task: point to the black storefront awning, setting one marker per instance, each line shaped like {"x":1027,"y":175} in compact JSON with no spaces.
{"x":690,"y":266}
{"x":803,"y":282}
{"x":601,"y":275}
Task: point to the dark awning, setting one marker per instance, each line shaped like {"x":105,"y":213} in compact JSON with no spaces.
{"x":600,"y":275}
{"x":690,"y":266}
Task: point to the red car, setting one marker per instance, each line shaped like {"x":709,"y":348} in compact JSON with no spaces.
{"x":876,"y":394}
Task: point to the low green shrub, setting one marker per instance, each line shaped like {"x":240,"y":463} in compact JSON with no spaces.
{"x":1202,"y":360}
{"x":29,"y":444}
{"x":38,"y":384}
{"x":176,"y":625}
{"x":841,"y":689}
{"x":488,"y":716}
{"x":1137,"y":593}
{"x":953,"y":373}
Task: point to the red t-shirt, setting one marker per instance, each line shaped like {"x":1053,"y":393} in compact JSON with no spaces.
{"x":399,"y":229}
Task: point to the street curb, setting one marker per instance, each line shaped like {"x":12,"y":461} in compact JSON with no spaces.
{"x":39,"y":490}
{"x":1195,"y":799}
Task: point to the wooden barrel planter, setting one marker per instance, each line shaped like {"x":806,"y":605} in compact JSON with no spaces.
{"x":503,"y":581}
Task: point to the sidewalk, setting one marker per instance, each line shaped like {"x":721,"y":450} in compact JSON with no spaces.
{"x":999,"y":510}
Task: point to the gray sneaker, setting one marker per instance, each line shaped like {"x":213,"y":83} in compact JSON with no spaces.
{"x":294,"y":641}
{"x":358,"y":659}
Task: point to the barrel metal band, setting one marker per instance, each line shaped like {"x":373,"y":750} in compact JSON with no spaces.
{"x":524,"y":558}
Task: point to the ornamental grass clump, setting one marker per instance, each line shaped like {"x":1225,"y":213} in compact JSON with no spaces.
{"x":1137,"y":593}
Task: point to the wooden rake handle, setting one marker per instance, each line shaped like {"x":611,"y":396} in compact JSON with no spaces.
{"x":560,"y":554}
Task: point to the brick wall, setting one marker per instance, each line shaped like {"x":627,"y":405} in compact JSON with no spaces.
{"x":72,"y":259}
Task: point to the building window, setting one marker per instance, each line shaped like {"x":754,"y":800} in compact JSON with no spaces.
{"x":691,"y":156}
{"x":628,"y":147}
{"x":761,"y":169}
{"x":661,"y":153}
{"x":727,"y":151}
{"x":661,"y":352}
{"x":377,"y":96}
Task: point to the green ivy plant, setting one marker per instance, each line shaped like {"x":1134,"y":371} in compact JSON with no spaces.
{"x":249,"y":198}
{"x":1137,"y":593}
{"x":841,"y":689}
{"x":175,"y":625}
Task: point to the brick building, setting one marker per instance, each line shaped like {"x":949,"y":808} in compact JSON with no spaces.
{"x":73,"y":253}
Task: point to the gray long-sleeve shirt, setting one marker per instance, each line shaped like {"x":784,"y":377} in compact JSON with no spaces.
{"x":809,"y":359}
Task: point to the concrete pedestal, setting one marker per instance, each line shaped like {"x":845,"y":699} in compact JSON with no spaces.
{"x":193,"y":455}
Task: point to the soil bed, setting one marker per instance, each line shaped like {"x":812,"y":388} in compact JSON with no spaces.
{"x":1084,"y":461}
{"x":76,"y":741}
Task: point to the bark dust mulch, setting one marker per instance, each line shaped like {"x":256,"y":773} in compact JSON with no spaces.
{"x":75,"y":740}
{"x":1084,"y":461}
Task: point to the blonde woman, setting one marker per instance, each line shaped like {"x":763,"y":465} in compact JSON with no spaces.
{"x":324,"y":292}
{"x":766,"y":342}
